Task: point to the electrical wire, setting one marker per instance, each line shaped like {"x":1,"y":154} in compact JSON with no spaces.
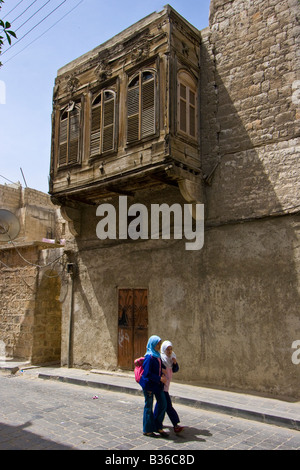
{"x":21,"y":14}
{"x":45,"y":32}
{"x":49,"y":276}
{"x":7,"y":179}
{"x":35,"y":13}
{"x":35,"y":26}
{"x":34,"y":264}
{"x":20,"y":275}
{"x":12,"y":9}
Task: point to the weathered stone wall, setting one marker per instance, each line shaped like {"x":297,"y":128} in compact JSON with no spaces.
{"x":17,"y":302}
{"x":250,"y":155}
{"x":250,"y":114}
{"x":30,"y":307}
{"x":230,"y":309}
{"x":48,"y":308}
{"x":38,"y":217}
{"x":105,"y":266}
{"x":248,"y":315}
{"x":11,"y":197}
{"x":30,"y":310}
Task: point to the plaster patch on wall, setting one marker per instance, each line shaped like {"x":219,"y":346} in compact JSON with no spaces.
{"x":2,"y":350}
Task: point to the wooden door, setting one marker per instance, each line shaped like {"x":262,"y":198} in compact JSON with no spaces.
{"x":133,"y":326}
{"x":140,"y":320}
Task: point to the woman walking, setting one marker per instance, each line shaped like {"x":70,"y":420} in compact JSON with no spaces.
{"x":152,"y":382}
{"x":169,"y":360}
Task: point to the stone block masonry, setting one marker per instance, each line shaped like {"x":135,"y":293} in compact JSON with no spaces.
{"x":17,"y":293}
{"x":251,"y":138}
{"x":250,"y":156}
{"x":38,"y":217}
{"x":30,"y":310}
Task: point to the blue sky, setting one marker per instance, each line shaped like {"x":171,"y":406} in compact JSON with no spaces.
{"x":61,"y":30}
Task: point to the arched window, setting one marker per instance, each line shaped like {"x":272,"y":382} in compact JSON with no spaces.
{"x":69,"y":134}
{"x":103,"y":122}
{"x":187,"y":98}
{"x":141,"y":107}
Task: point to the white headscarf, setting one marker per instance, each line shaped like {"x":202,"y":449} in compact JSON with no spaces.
{"x":167,"y":360}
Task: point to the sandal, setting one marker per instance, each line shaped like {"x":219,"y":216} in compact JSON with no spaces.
{"x":150,"y":434}
{"x":163,"y":433}
{"x":178,"y":428}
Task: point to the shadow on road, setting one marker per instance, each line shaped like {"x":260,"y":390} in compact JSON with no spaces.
{"x":190,"y":434}
{"x":18,"y":438}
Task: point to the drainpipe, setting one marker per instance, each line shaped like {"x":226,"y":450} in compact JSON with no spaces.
{"x":71,"y":271}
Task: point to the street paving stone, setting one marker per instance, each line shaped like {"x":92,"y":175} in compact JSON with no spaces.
{"x":50,"y":415}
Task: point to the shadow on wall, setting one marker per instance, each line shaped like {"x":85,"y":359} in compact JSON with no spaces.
{"x":248,"y":284}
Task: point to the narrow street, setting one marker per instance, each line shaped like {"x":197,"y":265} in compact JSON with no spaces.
{"x":49,"y":415}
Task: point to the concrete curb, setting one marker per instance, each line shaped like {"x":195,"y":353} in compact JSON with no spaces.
{"x":244,"y":413}
{"x":91,"y":383}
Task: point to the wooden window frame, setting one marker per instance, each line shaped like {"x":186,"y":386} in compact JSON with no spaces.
{"x":187,"y":105}
{"x":65,"y":138}
{"x":141,"y":106}
{"x":98,"y":144}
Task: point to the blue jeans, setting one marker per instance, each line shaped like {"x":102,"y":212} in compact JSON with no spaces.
{"x":171,"y":412}
{"x":151,"y":422}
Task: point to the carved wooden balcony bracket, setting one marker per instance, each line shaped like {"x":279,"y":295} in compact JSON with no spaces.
{"x":71,"y":212}
{"x":73,"y":217}
{"x":190,"y":183}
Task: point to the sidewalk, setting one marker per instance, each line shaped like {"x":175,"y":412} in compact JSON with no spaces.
{"x":267,"y":410}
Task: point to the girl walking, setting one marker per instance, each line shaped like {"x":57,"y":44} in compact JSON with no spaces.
{"x":168,"y":358}
{"x":152,"y":382}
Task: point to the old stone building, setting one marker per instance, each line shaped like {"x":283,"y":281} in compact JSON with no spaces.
{"x":31,"y":276}
{"x":165,"y":114}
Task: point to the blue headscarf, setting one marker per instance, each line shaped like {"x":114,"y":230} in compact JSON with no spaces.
{"x":152,"y":342}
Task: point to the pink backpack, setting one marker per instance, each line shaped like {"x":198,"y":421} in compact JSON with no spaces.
{"x":138,"y":368}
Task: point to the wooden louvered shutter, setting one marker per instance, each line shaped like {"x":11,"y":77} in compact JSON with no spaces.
{"x":187,"y":105}
{"x":63,"y":140}
{"x":74,"y":133}
{"x":192,"y":113}
{"x":133,"y":114}
{"x":148,"y":105}
{"x":69,"y":135}
{"x":182,"y":108}
{"x":108,"y":121}
{"x":141,"y":107}
{"x":95,"y":127}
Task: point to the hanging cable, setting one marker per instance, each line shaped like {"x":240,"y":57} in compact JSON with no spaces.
{"x":21,"y":14}
{"x":35,"y":13}
{"x":13,"y":9}
{"x":34,"y":264}
{"x":20,"y":275}
{"x":13,"y":182}
{"x":28,"y":32}
{"x":45,"y":32}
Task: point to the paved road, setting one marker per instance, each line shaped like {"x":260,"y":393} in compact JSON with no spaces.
{"x":37,"y":415}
